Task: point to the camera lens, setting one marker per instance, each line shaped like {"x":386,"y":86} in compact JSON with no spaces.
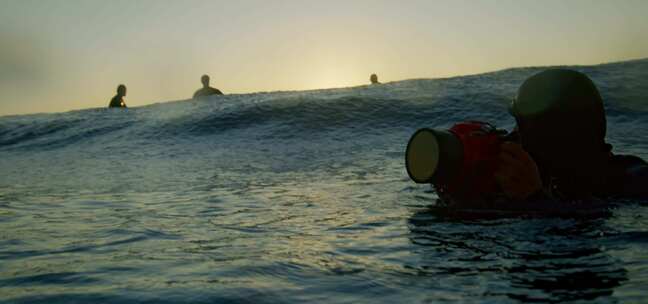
{"x":433,"y":156}
{"x":422,"y":156}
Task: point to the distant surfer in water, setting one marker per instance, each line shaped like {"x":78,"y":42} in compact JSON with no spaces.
{"x":206,"y":90}
{"x":560,"y":149}
{"x":118,"y":100}
{"x":374,"y":79}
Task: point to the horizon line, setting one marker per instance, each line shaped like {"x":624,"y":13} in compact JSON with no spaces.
{"x":350,"y":87}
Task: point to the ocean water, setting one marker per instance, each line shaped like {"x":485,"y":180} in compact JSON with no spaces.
{"x":289,"y":197}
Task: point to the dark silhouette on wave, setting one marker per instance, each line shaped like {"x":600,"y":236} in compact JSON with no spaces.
{"x":206,"y":90}
{"x":374,"y":79}
{"x":118,"y":100}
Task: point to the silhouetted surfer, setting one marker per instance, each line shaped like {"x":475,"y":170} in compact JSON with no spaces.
{"x":561,"y":151}
{"x":561,"y":126}
{"x":555,"y":160}
{"x":118,"y":100}
{"x":374,"y":79}
{"x":206,"y":89}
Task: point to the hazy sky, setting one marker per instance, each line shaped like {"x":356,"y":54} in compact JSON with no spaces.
{"x":63,"y":55}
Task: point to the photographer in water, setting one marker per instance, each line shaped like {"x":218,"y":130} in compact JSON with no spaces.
{"x":557,"y":151}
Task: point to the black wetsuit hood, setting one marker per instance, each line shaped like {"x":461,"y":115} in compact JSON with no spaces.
{"x":561,"y":121}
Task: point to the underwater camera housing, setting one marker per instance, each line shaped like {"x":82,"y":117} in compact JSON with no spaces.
{"x":460,"y":161}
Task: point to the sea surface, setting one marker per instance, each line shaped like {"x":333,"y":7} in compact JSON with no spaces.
{"x":291,"y":197}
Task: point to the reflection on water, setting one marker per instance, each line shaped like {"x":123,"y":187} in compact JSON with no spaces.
{"x":536,"y":260}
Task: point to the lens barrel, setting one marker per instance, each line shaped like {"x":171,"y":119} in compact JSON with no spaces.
{"x":433,"y":156}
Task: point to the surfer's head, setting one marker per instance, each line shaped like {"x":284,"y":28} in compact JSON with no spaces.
{"x":561,"y":120}
{"x":121,"y":90}
{"x":205,"y":80}
{"x":373,"y":78}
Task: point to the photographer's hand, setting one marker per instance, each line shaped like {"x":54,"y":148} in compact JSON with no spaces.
{"x":517,"y":174}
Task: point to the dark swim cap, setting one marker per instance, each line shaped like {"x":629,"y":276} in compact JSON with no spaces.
{"x":121,"y":89}
{"x":561,"y":120}
{"x":556,"y":93}
{"x":560,"y":106}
